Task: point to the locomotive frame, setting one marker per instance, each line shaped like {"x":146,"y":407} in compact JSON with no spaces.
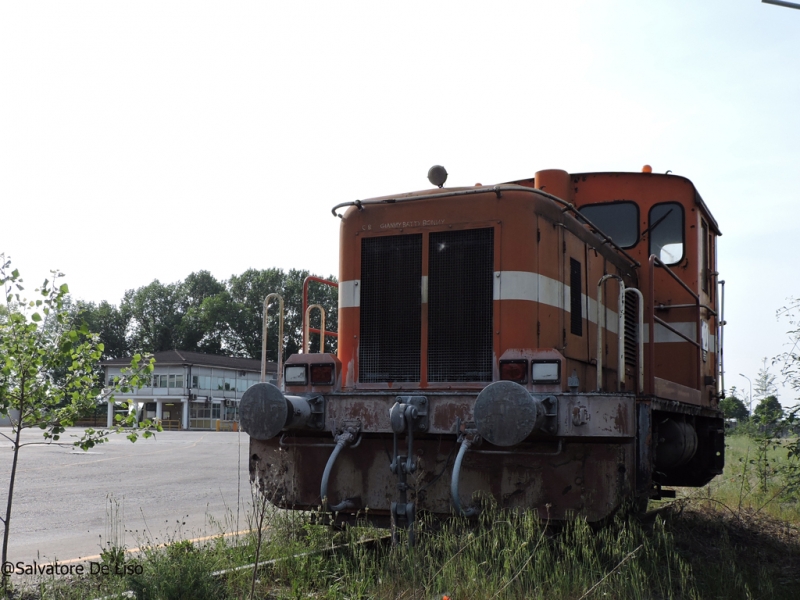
{"x":553,"y":343}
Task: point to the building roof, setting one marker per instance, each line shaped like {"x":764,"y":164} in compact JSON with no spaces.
{"x":183,"y":357}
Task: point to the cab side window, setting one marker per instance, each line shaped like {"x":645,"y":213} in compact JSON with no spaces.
{"x":618,"y":220}
{"x":665,"y":230}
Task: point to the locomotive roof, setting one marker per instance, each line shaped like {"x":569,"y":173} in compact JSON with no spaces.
{"x":697,"y":198}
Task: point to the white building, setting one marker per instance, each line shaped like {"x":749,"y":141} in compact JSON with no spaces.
{"x":190,"y":390}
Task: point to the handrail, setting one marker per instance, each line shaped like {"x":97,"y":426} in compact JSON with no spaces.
{"x":307,"y":321}
{"x":670,"y":306}
{"x":620,"y":330}
{"x":306,"y":281}
{"x":666,"y":325}
{"x":653,"y":261}
{"x":280,"y":339}
{"x":497,"y":189}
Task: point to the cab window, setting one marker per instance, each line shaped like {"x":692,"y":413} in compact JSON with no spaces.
{"x":665,"y":230}
{"x":618,"y":220}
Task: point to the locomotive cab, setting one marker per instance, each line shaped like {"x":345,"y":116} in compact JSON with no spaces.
{"x":548,"y":343}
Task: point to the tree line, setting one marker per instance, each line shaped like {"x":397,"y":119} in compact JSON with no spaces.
{"x":204,"y":314}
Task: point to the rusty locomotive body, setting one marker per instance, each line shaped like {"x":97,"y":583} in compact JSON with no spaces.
{"x":551,"y":343}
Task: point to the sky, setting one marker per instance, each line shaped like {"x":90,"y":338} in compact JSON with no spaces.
{"x":148,"y":140}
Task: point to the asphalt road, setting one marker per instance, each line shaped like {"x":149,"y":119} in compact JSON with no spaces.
{"x":172,"y":486}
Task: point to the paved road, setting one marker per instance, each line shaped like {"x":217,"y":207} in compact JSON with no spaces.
{"x":61,"y":504}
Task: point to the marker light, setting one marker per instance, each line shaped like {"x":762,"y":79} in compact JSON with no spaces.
{"x":647,"y":169}
{"x":514,"y":370}
{"x":322,"y":374}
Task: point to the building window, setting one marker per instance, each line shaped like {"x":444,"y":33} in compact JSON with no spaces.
{"x":215,"y":409}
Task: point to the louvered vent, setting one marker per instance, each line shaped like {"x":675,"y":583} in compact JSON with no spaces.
{"x":460,"y":270}
{"x":631,"y":329}
{"x":391,"y":275}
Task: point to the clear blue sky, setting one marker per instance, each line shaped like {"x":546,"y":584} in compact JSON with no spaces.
{"x":147,"y":140}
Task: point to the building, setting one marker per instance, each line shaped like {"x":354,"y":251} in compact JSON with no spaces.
{"x":190,"y":390}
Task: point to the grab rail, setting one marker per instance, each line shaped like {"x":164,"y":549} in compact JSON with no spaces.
{"x":306,"y":281}
{"x":306,"y":322}
{"x":280,"y":339}
{"x":620,"y":330}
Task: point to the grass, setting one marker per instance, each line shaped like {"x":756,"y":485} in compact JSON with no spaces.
{"x":754,"y":480}
{"x":736,"y":538}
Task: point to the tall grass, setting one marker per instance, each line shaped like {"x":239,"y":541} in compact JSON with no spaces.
{"x":735,"y":538}
{"x":758,"y":479}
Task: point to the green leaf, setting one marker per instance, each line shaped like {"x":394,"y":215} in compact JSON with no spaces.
{"x":64,"y":288}
{"x":36,"y":317}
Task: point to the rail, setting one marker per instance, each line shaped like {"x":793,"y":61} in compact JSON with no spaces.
{"x":620,"y":330}
{"x":306,"y":281}
{"x":280,"y":339}
{"x":307,"y":321}
{"x":653,"y":261}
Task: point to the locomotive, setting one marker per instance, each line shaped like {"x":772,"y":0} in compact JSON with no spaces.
{"x":551,"y":343}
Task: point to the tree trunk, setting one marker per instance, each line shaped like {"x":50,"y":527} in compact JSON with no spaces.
{"x":7,"y":521}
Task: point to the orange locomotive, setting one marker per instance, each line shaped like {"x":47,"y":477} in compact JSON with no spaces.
{"x":552,"y":343}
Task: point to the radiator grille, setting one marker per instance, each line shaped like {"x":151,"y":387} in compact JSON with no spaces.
{"x":631,"y":329}
{"x":460,"y":271}
{"x":391,"y":275}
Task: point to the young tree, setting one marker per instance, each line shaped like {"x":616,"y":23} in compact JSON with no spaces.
{"x":764,"y":385}
{"x":47,"y":373}
{"x":790,"y":359}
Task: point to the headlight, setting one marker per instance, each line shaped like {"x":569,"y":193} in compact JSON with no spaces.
{"x":295,"y":375}
{"x":546,"y":371}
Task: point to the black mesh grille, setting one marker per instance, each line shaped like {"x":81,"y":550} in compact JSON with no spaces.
{"x":460,"y":270}
{"x":631,"y":329}
{"x":391,"y":275}
{"x":575,"y":291}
